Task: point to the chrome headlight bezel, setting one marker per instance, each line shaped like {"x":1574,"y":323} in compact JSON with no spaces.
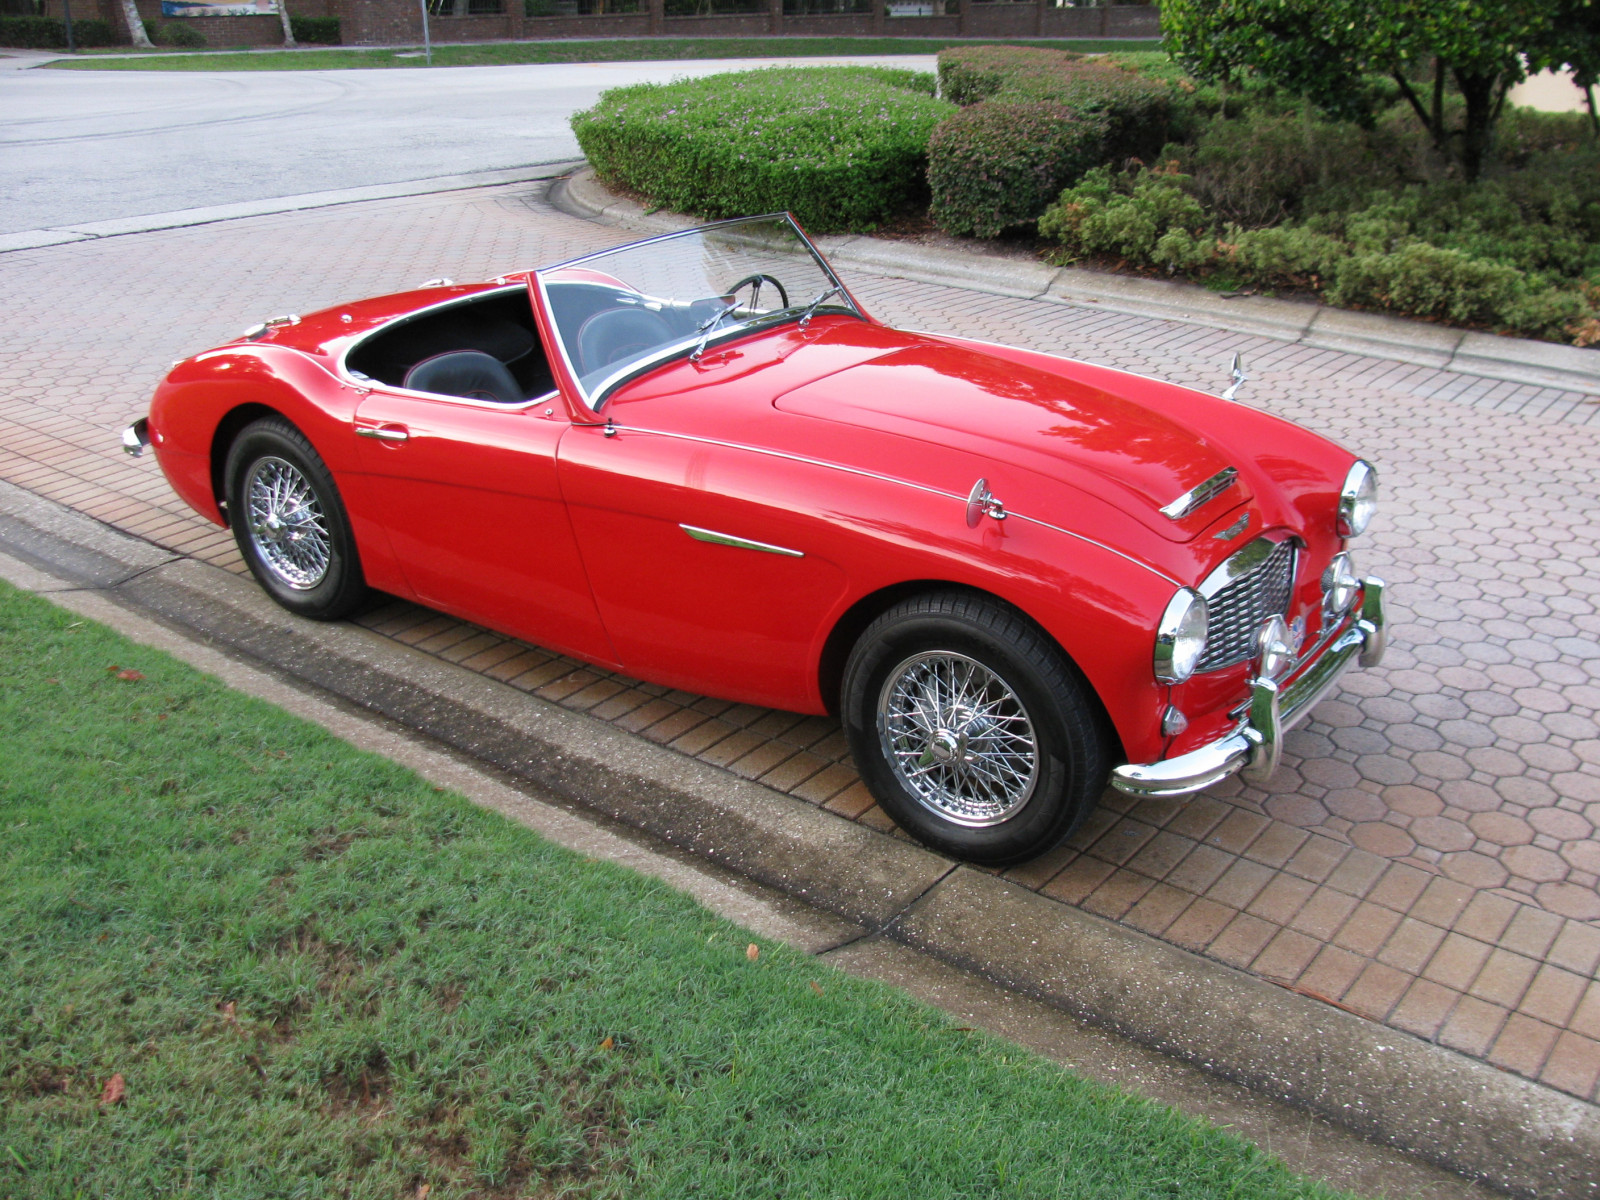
{"x":1181,"y":636}
{"x":1358,"y":499}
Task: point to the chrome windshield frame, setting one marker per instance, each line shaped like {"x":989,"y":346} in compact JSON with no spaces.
{"x":594,"y":399}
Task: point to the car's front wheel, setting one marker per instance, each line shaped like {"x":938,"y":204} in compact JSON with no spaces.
{"x":289,"y":523}
{"x":972,"y":729}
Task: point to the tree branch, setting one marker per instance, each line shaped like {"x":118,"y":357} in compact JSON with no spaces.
{"x":1416,"y":103}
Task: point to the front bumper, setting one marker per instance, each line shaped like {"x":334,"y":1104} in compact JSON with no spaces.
{"x":1275,"y":708}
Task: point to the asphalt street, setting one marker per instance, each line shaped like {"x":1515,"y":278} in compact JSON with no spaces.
{"x":80,"y":146}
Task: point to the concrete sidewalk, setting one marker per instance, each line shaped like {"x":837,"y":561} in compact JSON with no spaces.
{"x":1417,"y":891}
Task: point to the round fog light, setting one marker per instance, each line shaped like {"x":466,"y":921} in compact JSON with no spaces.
{"x":1274,"y":648}
{"x":1340,"y":584}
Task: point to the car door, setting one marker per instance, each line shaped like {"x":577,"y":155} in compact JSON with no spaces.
{"x":709,"y":562}
{"x":469,"y":495}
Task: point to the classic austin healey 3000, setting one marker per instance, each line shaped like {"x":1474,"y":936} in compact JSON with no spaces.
{"x":698,"y":461}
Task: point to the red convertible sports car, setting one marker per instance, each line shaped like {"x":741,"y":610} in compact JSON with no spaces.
{"x":697,"y":460}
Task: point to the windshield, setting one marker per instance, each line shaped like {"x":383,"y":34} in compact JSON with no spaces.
{"x":621,"y":311}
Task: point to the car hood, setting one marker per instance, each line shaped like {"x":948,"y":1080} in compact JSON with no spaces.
{"x":1124,"y":452}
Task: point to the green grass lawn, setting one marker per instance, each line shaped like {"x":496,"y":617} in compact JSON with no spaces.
{"x":510,"y":53}
{"x":316,"y":975}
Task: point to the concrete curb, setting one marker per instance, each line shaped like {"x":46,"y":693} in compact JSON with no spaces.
{"x":1429,"y":1101}
{"x":33,"y":239}
{"x":1541,"y":364}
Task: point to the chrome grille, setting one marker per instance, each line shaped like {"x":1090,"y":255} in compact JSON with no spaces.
{"x":1237,"y":610}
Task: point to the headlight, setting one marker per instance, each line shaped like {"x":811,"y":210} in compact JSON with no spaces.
{"x":1181,"y":636}
{"x":1358,"y":499}
{"x":1340,"y":585}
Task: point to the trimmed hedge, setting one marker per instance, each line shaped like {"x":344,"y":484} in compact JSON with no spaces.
{"x":47,"y":33}
{"x":843,"y":148}
{"x":175,"y":33}
{"x":997,"y":165}
{"x":1035,"y":121}
{"x":968,"y":74}
{"x":317,"y":31}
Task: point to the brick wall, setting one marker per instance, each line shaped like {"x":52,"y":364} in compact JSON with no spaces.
{"x":395,"y":22}
{"x":264,"y":30}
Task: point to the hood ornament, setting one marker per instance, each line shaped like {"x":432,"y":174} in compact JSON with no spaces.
{"x":1237,"y":375}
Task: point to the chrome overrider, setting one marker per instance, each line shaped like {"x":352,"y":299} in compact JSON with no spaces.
{"x":1275,"y":707}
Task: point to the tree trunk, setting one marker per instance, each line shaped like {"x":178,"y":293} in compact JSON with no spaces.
{"x":1478,"y":126}
{"x":288,"y":29}
{"x":136,"y":33}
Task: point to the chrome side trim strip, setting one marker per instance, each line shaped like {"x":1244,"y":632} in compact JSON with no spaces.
{"x":865,"y":474}
{"x":1199,"y":494}
{"x":727,"y":539}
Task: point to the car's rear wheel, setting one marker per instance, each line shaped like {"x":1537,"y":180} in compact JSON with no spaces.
{"x":972,"y":729}
{"x":289,"y":523}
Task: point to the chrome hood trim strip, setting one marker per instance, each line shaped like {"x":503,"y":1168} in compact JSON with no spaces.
{"x":1199,"y":494}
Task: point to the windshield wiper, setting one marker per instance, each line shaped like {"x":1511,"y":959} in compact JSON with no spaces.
{"x":708,"y":326}
{"x":811,"y":309}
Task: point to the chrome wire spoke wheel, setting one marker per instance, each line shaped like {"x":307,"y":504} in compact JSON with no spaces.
{"x":958,"y":738}
{"x":287,"y":525}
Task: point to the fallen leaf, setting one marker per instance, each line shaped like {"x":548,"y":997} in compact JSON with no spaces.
{"x":130,"y":675}
{"x":608,"y":1043}
{"x":816,"y":987}
{"x":752,"y":952}
{"x":113,"y":1092}
{"x":422,"y":1191}
{"x":230,"y":1012}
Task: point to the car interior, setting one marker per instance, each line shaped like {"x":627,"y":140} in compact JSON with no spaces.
{"x":486,"y":348}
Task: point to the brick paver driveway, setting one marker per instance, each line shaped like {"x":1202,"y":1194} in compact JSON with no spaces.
{"x":1428,"y":856}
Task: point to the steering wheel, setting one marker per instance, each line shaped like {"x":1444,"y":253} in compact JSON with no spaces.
{"x":755,"y":295}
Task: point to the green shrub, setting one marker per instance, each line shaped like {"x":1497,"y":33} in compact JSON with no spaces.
{"x":843,"y":148}
{"x":1285,"y":256}
{"x":179,"y":34}
{"x":1133,"y":108}
{"x":1148,"y":217}
{"x":997,"y":165}
{"x":968,"y":74}
{"x":1257,"y":169}
{"x":1427,"y":281}
{"x":47,"y":33}
{"x":320,"y":31}
{"x":1548,"y":224}
{"x":1033,"y":121}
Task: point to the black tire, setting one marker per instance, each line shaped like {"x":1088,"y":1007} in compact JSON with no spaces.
{"x":296,"y":539}
{"x":1015,"y":702}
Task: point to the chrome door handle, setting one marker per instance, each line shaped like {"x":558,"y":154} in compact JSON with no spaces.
{"x":387,"y":433}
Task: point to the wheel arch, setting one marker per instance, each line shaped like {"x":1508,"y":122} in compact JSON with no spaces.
{"x":855,"y":619}
{"x":228,"y":429}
